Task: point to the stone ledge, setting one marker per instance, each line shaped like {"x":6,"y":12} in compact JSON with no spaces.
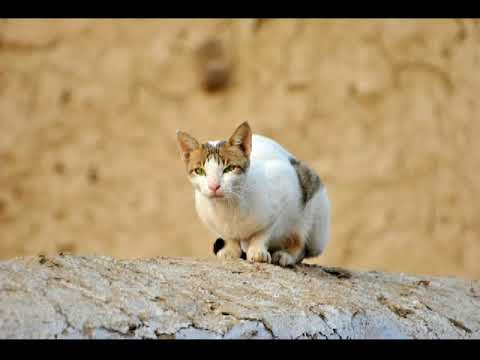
{"x":100,"y":297}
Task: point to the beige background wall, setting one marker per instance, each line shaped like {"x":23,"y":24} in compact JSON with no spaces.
{"x":386,"y":111}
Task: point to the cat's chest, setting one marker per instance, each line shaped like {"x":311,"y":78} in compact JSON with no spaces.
{"x":228,"y":222}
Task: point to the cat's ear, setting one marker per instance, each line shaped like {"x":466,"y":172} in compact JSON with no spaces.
{"x":186,"y":144}
{"x":242,"y":137}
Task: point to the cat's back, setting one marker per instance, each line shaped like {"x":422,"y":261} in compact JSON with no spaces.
{"x":264,"y":148}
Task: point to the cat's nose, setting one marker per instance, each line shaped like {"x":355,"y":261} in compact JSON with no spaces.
{"x":214,"y":186}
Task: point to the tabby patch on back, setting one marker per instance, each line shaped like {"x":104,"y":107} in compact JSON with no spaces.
{"x":310,"y":182}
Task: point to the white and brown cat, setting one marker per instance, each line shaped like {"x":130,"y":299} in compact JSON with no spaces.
{"x":257,"y":197}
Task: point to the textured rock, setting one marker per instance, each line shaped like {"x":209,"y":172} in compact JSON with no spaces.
{"x":100,"y":297}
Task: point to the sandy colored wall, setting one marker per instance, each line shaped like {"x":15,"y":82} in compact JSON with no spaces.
{"x":386,"y":111}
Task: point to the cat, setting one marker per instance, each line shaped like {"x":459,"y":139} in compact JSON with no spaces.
{"x":257,"y":198}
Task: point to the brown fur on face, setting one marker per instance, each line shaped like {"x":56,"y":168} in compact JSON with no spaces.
{"x":235,"y":151}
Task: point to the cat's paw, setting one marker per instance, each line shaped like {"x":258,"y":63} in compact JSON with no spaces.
{"x":283,"y":258}
{"x":229,"y":253}
{"x":258,"y":255}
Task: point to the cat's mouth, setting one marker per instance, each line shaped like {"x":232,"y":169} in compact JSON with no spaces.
{"x":215,"y":195}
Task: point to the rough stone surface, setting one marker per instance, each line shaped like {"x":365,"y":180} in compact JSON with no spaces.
{"x":100,"y":297}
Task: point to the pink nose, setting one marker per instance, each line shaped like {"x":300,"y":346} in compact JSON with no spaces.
{"x":214,"y":187}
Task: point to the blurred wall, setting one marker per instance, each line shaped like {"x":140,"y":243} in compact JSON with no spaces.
{"x":386,"y":111}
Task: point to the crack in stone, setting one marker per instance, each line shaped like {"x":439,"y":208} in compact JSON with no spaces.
{"x":192,"y":325}
{"x":114,"y":331}
{"x":257,"y":320}
{"x":336,"y":333}
{"x":455,"y":323}
{"x":396,"y":309}
{"x":311,"y":336}
{"x":60,"y":311}
{"x":459,"y":325}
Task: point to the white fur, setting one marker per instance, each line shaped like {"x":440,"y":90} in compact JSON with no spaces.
{"x":267,"y":200}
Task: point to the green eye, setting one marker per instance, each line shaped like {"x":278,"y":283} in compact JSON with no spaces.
{"x":200,"y":171}
{"x":229,"y":168}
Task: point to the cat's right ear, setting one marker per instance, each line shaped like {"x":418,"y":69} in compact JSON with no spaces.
{"x":186,"y":144}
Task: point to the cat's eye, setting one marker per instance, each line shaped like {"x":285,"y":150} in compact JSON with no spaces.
{"x":200,"y":171}
{"x":229,"y":168}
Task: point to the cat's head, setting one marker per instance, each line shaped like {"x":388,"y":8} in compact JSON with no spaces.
{"x":218,"y":170}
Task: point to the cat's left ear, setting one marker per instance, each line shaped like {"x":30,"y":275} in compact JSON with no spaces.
{"x":186,"y":144}
{"x":242,"y":137}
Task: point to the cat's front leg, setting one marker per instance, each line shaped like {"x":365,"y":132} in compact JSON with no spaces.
{"x":230,"y":251}
{"x":257,"y":248}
